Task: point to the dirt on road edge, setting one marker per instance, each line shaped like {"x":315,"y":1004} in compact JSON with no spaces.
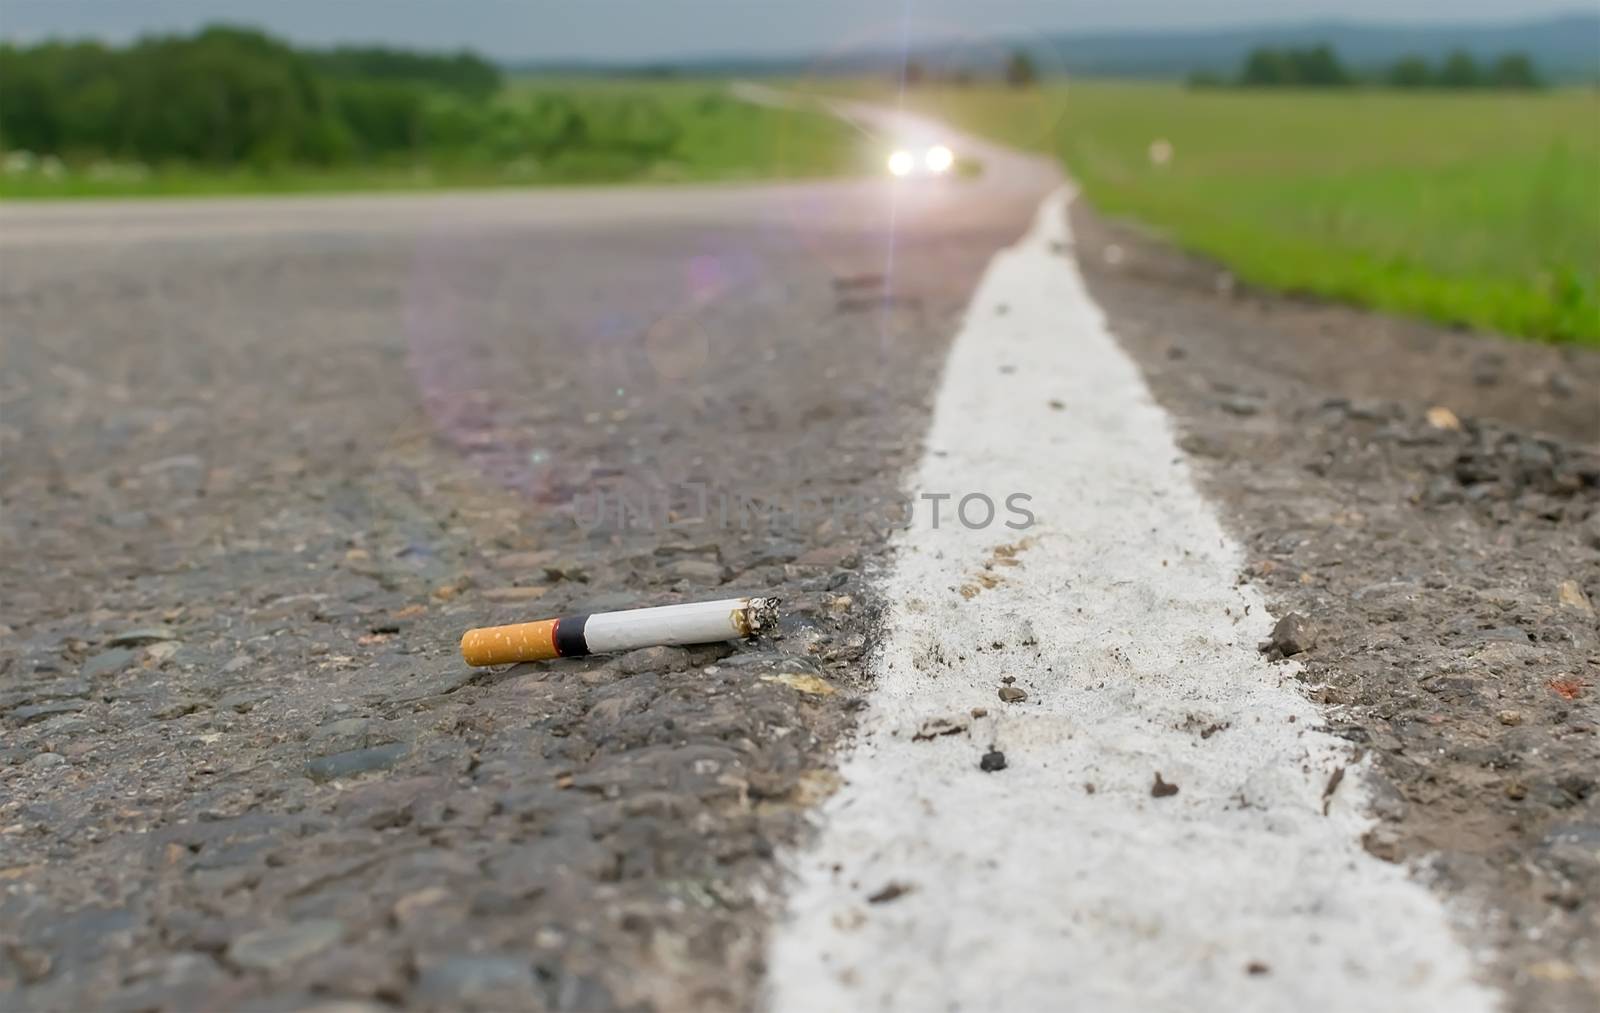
{"x":1428,"y":502}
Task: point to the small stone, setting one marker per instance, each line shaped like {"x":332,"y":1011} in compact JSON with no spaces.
{"x":345,"y":734}
{"x":509,"y":594}
{"x":890,"y":891}
{"x":1241,"y":406}
{"x":39,"y":711}
{"x":1292,"y":635}
{"x":1440,"y":417}
{"x":1572,"y":597}
{"x":1553,"y":970}
{"x":1199,"y":445}
{"x":1011,"y":694}
{"x":177,"y":708}
{"x":416,"y":906}
{"x":33,"y":964}
{"x":108,"y":662}
{"x":275,"y":948}
{"x":567,"y":571}
{"x":992,"y":761}
{"x":45,"y":761}
{"x":1256,"y":968}
{"x":1511,"y":718}
{"x":142,"y":635}
{"x":1441,"y":490}
{"x":933,"y":728}
{"x":355,"y":761}
{"x":1382,"y":842}
{"x":529,"y":561}
{"x":653,"y":659}
{"x":1591,"y":529}
{"x":476,"y":979}
{"x":980,"y":712}
{"x":1161,"y":789}
{"x":244,"y":701}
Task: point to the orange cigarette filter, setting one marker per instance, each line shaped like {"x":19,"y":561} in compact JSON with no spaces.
{"x":503,"y":645}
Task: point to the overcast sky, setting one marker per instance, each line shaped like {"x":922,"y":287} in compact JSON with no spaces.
{"x":642,"y":29}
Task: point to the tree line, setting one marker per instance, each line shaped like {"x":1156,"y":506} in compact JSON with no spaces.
{"x":230,"y":96}
{"x":1320,"y":67}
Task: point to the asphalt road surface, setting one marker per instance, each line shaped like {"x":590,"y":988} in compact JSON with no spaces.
{"x":264,"y":460}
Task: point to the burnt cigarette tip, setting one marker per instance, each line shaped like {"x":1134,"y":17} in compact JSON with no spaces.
{"x":763,"y":615}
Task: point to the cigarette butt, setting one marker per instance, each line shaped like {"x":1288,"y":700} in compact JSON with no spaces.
{"x":502,"y":645}
{"x":703,"y":622}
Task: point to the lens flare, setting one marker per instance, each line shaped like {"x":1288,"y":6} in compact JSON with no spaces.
{"x":901,"y":163}
{"x":939,"y":158}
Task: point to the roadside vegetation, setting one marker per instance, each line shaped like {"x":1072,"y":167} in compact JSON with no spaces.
{"x":231,"y":110}
{"x":1478,"y":208}
{"x":1321,"y":67}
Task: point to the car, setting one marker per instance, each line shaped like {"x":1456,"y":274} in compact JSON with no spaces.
{"x":920,"y":161}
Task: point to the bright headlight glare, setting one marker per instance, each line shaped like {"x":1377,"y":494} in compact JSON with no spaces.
{"x":901,"y":163}
{"x":938,"y":158}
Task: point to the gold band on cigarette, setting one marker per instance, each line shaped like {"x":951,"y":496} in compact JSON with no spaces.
{"x":503,"y":645}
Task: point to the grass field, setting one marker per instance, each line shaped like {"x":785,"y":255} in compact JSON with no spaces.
{"x":717,"y":137}
{"x":1478,"y":209}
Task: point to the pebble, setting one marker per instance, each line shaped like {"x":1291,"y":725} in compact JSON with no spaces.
{"x":510,"y":594}
{"x":355,"y":761}
{"x":653,"y":659}
{"x":1199,"y":445}
{"x":278,"y":947}
{"x":1510,"y":718}
{"x":468,"y":978}
{"x":1011,"y":694}
{"x":46,"y":760}
{"x":345,"y":734}
{"x":40,"y":711}
{"x":1292,"y":635}
{"x":1162,"y":789}
{"x":992,"y":761}
{"x":932,"y":728}
{"x":142,"y":635}
{"x":177,"y":708}
{"x":244,"y":701}
{"x":1440,"y":417}
{"x":1572,"y":597}
{"x":108,"y":662}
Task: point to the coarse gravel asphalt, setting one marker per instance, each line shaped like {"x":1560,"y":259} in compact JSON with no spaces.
{"x":264,"y":460}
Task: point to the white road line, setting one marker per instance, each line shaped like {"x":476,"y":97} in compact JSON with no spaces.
{"x":1028,"y":889}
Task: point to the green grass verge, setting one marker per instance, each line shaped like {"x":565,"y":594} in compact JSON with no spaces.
{"x":1475,"y":209}
{"x":717,"y":138}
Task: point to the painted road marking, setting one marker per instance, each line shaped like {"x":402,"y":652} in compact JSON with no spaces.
{"x":1064,"y":880}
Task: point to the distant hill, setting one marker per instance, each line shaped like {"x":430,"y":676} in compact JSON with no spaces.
{"x":1564,"y":48}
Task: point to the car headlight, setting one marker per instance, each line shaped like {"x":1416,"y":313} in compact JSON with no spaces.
{"x":938,"y":158}
{"x":901,"y":163}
